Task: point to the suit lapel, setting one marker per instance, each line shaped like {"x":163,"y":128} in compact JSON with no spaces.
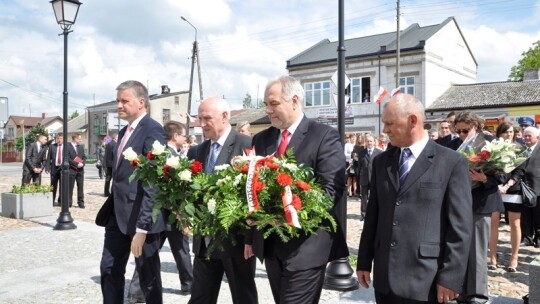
{"x":422,"y":163}
{"x":392,"y":168}
{"x":298,"y":136}
{"x":224,"y":156}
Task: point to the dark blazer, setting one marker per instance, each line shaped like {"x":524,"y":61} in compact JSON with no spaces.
{"x":133,"y":204}
{"x":50,"y":163}
{"x":34,"y":159}
{"x":319,"y":147}
{"x":71,"y":154}
{"x":234,"y":145}
{"x":445,"y":141}
{"x":365,"y":163}
{"x":418,"y":235}
{"x":109,"y":152}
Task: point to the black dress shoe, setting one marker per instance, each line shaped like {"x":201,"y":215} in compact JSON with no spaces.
{"x":81,"y":206}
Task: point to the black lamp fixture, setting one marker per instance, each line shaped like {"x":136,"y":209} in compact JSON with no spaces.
{"x":66,"y":13}
{"x":193,"y":56}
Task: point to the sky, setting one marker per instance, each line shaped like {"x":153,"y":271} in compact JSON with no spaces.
{"x":242,"y":43}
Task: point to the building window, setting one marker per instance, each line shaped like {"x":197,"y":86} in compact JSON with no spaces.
{"x":166,"y":115}
{"x":317,"y":94}
{"x":176,"y":100}
{"x":407,"y":85}
{"x":360,"y":90}
{"x":11,"y":132}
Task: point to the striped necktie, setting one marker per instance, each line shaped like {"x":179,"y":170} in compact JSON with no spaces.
{"x":404,"y":166}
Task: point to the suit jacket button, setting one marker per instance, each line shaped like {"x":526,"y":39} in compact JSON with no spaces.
{"x":398,"y":203}
{"x":393,"y":244}
{"x":395,"y":223}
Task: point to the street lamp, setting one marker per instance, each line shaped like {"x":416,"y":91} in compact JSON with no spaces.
{"x":66,"y":14}
{"x":193,"y":56}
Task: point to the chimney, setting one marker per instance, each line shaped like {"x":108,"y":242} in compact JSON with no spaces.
{"x":531,"y":74}
{"x":43,"y":115}
{"x":165,"y":89}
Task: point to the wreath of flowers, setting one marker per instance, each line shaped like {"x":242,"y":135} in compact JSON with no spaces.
{"x":275,"y":195}
{"x":177,"y":178}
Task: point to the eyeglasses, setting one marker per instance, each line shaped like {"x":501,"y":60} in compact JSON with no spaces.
{"x":445,"y":127}
{"x":464,"y":131}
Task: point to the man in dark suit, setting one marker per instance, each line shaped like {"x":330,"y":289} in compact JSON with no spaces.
{"x":108,"y":163}
{"x":418,"y":222}
{"x":178,"y":240}
{"x":127,"y":213}
{"x":53,"y":166}
{"x":296,"y":269}
{"x":235,"y":260}
{"x":530,"y":217}
{"x":34,"y":160}
{"x":365,"y":163}
{"x":77,"y":159}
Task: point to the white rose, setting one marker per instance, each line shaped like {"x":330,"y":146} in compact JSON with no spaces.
{"x":173,"y":161}
{"x":185,"y":175}
{"x":211,"y":206}
{"x":157,"y":148}
{"x":129,"y":154}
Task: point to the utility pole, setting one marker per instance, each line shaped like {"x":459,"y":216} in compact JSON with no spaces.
{"x":397,"y":45}
{"x":198,"y":69}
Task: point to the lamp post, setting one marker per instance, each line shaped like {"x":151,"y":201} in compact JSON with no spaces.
{"x":193,"y":56}
{"x":66,"y":14}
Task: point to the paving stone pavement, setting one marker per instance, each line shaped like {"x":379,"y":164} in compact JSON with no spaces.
{"x":41,"y":265}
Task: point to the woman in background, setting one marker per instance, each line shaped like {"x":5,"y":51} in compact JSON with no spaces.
{"x":511,"y":197}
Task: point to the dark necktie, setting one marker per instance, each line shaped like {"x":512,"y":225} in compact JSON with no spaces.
{"x":213,"y":158}
{"x":284,"y":142}
{"x":369,"y":152}
{"x":404,"y":167}
{"x":529,"y":151}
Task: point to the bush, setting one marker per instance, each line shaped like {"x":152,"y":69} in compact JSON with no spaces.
{"x":31,"y":188}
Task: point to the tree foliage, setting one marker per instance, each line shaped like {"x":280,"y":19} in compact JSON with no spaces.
{"x":30,"y":137}
{"x":246,"y":103}
{"x":74,"y":114}
{"x":529,"y":60}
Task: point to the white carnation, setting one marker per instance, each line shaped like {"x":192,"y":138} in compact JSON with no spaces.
{"x":211,"y":206}
{"x":158,"y":148}
{"x":221,"y":167}
{"x":237,"y":180}
{"x":129,"y":154}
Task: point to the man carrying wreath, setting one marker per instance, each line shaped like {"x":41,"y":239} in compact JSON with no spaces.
{"x":296,"y":269}
{"x":235,"y":260}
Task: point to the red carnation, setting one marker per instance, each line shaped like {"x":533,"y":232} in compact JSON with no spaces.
{"x":150,"y":155}
{"x":484,"y":155}
{"x":296,"y":202}
{"x":258,"y":185}
{"x":196,"y":167}
{"x":272,"y":165}
{"x":284,"y":179}
{"x":303,"y":186}
{"x":165,"y":171}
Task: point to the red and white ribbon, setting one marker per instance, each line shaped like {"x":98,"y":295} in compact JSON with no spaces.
{"x":290,"y":212}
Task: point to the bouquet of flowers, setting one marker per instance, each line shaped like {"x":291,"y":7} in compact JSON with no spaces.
{"x":275,"y":195}
{"x":177,"y":178}
{"x":497,"y":156}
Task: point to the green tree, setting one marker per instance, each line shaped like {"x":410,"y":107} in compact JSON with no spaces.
{"x":30,"y":137}
{"x":529,"y":60}
{"x":246,"y":103}
{"x":74,"y":114}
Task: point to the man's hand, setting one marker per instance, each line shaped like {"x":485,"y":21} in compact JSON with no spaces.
{"x":445,"y":294}
{"x":248,"y":251}
{"x":137,"y":244}
{"x":80,"y":165}
{"x":363,"y":278}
